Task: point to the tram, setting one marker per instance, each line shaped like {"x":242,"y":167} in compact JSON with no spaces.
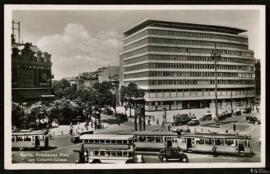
{"x":106,"y":148}
{"x":30,"y":139}
{"x":215,"y":143}
{"x":156,"y":140}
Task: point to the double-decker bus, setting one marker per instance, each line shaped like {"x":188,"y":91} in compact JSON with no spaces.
{"x":107,"y":148}
{"x":215,"y":143}
{"x":155,"y":141}
{"x":30,"y":139}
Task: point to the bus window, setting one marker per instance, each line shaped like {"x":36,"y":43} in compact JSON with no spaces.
{"x":102,"y":141}
{"x":113,"y":153}
{"x":124,"y":153}
{"x":119,"y":142}
{"x":113,"y":141}
{"x":13,"y":139}
{"x":96,"y":141}
{"x":124,"y":141}
{"x":200,"y":141}
{"x":130,"y":141}
{"x":102,"y":153}
{"x":96,"y":153}
{"x":159,"y":139}
{"x":150,"y":139}
{"x":119,"y":153}
{"x":91,"y":141}
{"x":208,"y":141}
{"x":19,"y":138}
{"x":108,"y":142}
{"x":142,"y":139}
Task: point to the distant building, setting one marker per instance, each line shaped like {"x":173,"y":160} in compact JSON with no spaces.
{"x":109,"y":73}
{"x":72,"y":80}
{"x":172,"y":62}
{"x":258,"y":77}
{"x":31,"y":73}
{"x":86,"y":80}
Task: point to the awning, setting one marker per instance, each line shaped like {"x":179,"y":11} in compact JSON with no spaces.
{"x":32,"y":94}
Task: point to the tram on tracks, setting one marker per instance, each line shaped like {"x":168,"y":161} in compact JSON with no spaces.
{"x":215,"y":143}
{"x":30,"y":139}
{"x":155,"y":140}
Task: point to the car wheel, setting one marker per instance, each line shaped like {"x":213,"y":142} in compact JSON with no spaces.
{"x":184,"y":160}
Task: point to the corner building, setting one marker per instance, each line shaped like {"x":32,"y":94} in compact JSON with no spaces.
{"x":172,"y":62}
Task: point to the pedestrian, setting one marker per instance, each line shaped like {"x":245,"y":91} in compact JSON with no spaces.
{"x":234,"y":127}
{"x":71,"y":131}
{"x":157,"y":121}
{"x":214,"y":150}
{"x":149,"y":122}
{"x":169,"y":127}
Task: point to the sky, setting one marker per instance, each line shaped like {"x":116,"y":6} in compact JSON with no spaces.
{"x":82,"y":41}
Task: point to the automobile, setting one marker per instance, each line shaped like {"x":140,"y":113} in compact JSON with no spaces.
{"x":253,"y":120}
{"x":172,"y":153}
{"x":180,"y":119}
{"x":193,"y":122}
{"x":206,"y":116}
{"x":237,"y":112}
{"x":136,"y":159}
{"x":247,"y":110}
{"x":76,"y":138}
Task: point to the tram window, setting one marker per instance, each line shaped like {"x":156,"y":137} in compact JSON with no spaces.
{"x":142,"y":139}
{"x":247,"y":143}
{"x":91,"y":153}
{"x":90,"y":141}
{"x":119,"y":142}
{"x":107,"y":153}
{"x":113,"y":153}
{"x":124,"y":153}
{"x":102,"y":141}
{"x":124,"y":141}
{"x":130,"y":141}
{"x":96,"y":152}
{"x":208,"y":141}
{"x":229,"y":142}
{"x":150,"y":139}
{"x":19,"y":139}
{"x":184,"y":140}
{"x":113,"y":141}
{"x":200,"y":141}
{"x":129,"y":154}
{"x":96,"y":141}
{"x":218,"y":142}
{"x":13,"y":139}
{"x":158,"y":139}
{"x":119,"y":153}
{"x":107,"y":141}
{"x":102,"y":153}
{"x":27,"y":138}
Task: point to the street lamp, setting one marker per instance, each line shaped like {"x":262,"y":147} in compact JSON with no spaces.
{"x":215,"y":55}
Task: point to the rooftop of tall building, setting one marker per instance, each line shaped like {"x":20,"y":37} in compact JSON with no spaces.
{"x":183,"y":25}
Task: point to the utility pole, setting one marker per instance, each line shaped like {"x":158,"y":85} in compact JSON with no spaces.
{"x":215,"y":55}
{"x":18,"y":28}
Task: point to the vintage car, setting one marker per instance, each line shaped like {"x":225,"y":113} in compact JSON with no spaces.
{"x":193,"y":122}
{"x":171,"y":153}
{"x":76,"y":138}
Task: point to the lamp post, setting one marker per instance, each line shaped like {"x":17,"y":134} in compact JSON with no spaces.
{"x":215,"y":56}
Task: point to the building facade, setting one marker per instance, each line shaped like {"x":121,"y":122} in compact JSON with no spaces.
{"x":31,"y":73}
{"x":173,"y":63}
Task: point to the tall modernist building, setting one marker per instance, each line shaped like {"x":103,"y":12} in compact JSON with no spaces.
{"x":173,"y":63}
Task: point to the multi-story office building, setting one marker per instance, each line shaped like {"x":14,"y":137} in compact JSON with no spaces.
{"x":173,"y":63}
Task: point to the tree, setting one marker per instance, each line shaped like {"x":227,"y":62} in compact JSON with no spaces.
{"x":128,"y":92}
{"x":59,"y":86}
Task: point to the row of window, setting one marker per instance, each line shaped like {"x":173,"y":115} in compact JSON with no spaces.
{"x":187,"y":51}
{"x":154,"y":139}
{"x":184,"y":42}
{"x":187,"y":66}
{"x":186,"y":58}
{"x":187,"y":74}
{"x":222,"y":142}
{"x":234,"y":90}
{"x":113,"y":153}
{"x":197,"y":35}
{"x":97,"y":141}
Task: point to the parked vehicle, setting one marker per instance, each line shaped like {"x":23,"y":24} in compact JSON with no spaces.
{"x":247,"y":110}
{"x":193,"y":122}
{"x":181,"y":119}
{"x":224,"y":116}
{"x":172,"y":154}
{"x":253,"y":120}
{"x":121,"y":116}
{"x":237,"y":112}
{"x":206,"y":117}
